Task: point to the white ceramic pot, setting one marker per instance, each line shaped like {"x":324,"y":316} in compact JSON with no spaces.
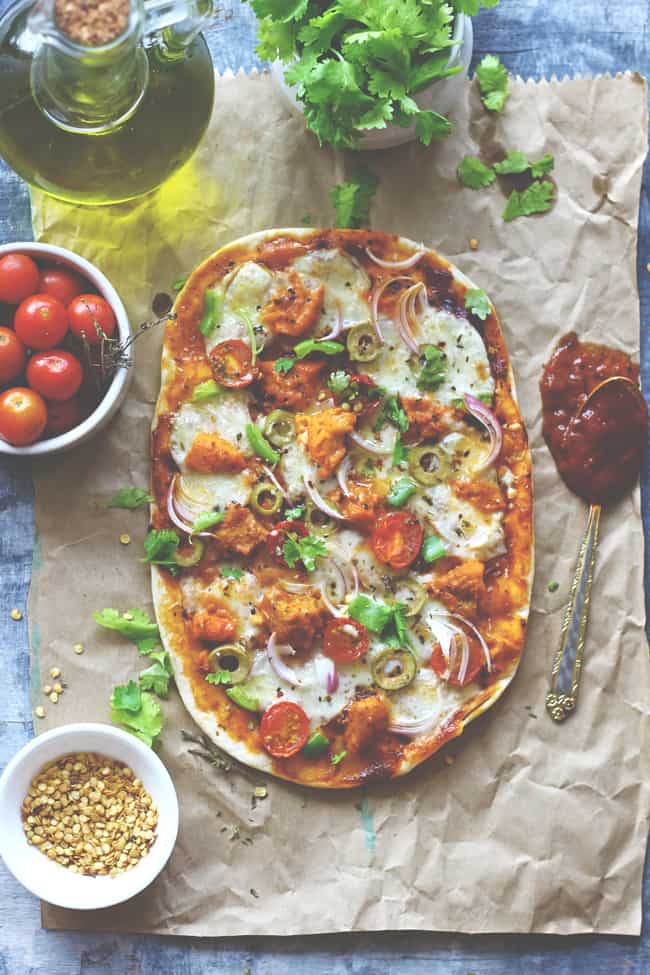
{"x":117,"y":391}
{"x":439,"y":96}
{"x":49,"y":880}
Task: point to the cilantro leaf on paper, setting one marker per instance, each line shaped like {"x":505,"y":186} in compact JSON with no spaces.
{"x":545,"y":165}
{"x":351,"y":200}
{"x":127,"y":697}
{"x":131,"y":498}
{"x":477,"y":301}
{"x":145,"y":723}
{"x":156,"y":678}
{"x":493,"y":82}
{"x":515,"y":162}
{"x":474,"y":174}
{"x":536,"y":198}
{"x":305,"y":550}
{"x":135,"y":625}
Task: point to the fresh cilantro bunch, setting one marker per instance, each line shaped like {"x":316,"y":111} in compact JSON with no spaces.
{"x":358,"y":63}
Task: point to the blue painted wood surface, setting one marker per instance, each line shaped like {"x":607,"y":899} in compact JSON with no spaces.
{"x":534,"y":38}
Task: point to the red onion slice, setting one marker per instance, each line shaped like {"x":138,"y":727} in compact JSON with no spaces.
{"x":396,"y":265}
{"x":327,"y":673}
{"x":337,"y":328}
{"x":371,"y":446}
{"x":342,"y":475}
{"x":178,"y":515}
{"x":273,"y":651}
{"x":473,"y":630}
{"x":320,"y":501}
{"x":405,"y":312}
{"x":294,"y":587}
{"x":374,"y":304}
{"x":273,"y":479}
{"x":485,"y":416}
{"x":409,"y":729}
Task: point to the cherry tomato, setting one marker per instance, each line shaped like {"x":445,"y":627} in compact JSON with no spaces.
{"x":55,"y":374}
{"x":86,"y":314}
{"x":62,"y":284}
{"x":19,"y":278}
{"x":284,"y":728}
{"x":23,"y":415}
{"x":475,"y":665}
{"x":62,"y":417}
{"x":345,"y":640}
{"x":278,"y":536}
{"x":397,"y":539}
{"x":41,"y":322}
{"x":232,"y":364}
{"x":12,"y":355}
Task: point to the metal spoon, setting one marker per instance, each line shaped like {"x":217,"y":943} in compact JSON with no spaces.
{"x":567,"y":666}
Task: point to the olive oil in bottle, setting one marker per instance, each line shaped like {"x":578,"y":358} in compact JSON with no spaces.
{"x":98,"y":123}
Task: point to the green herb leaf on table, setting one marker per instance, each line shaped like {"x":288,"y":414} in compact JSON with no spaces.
{"x":156,"y":678}
{"x":135,"y":625}
{"x":305,"y":550}
{"x":131,"y":498}
{"x":475,"y":174}
{"x":205,"y":390}
{"x":284,"y":364}
{"x":145,"y":723}
{"x":160,"y":547}
{"x":493,"y":82}
{"x":229,"y":572}
{"x":351,"y":200}
{"x":515,"y":162}
{"x":536,"y":198}
{"x":545,"y":165}
{"x":477,"y":301}
{"x":434,"y":369}
{"x":127,"y":697}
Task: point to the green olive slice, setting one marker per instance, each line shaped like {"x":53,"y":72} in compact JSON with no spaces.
{"x":279,"y":428}
{"x":266,"y":498}
{"x":394,"y":669}
{"x":188,"y":555}
{"x":317,"y":521}
{"x":429,"y":465}
{"x":412,"y":595}
{"x":363,"y":344}
{"x":232,"y":660}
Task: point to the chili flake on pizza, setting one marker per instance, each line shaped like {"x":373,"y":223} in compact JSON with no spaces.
{"x":343,"y":502}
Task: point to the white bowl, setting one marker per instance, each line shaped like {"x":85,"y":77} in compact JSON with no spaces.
{"x":49,"y":880}
{"x":439,"y":96}
{"x":116,"y":392}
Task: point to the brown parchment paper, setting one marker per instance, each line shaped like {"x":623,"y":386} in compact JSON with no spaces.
{"x":534,"y":827}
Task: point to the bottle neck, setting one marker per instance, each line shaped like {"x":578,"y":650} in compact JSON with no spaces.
{"x":83,"y":88}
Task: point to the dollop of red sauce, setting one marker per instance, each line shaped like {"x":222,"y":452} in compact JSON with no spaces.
{"x":598,"y":449}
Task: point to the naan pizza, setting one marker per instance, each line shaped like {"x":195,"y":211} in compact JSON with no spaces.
{"x":342,"y":472}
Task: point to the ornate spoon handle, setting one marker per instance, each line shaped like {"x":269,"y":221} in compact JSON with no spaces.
{"x":565,"y":676}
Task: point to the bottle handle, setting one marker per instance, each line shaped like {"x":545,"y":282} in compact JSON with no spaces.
{"x":177,"y":22}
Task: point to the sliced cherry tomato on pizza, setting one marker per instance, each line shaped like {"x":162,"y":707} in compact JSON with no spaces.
{"x":19,"y":278}
{"x":232,"y":364}
{"x":64,"y":416}
{"x":284,"y":729}
{"x":23,"y":415}
{"x":474,"y":666}
{"x":13,"y":355}
{"x":62,"y":284}
{"x":55,"y":374}
{"x":41,"y":322}
{"x":345,"y":640}
{"x":89,"y":316}
{"x":278,"y":536}
{"x":397,"y":539}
